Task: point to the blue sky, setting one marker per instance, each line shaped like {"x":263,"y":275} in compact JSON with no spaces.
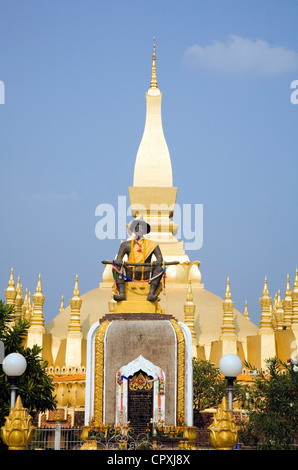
{"x":75,"y":75}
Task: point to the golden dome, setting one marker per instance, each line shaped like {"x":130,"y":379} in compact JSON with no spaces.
{"x":208,"y":316}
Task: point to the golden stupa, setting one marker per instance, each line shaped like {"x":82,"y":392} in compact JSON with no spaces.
{"x":217,"y":327}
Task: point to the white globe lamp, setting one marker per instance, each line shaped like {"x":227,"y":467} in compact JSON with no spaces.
{"x":230,"y":365}
{"x":14,"y":365}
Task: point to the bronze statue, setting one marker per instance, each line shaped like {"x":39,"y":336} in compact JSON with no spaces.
{"x":139,"y":251}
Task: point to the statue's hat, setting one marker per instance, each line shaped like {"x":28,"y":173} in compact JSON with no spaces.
{"x":141,"y":221}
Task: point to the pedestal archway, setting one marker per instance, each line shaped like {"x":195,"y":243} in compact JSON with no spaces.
{"x":152,"y":373}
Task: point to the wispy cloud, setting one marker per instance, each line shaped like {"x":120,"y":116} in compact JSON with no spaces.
{"x":240,"y":55}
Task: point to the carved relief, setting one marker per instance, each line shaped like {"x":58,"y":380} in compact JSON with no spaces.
{"x":180,"y":369}
{"x":140,"y":381}
{"x":99,"y":373}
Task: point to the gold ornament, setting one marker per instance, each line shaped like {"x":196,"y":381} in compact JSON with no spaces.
{"x":223,"y":430}
{"x":180,"y":369}
{"x":18,"y":431}
{"x":89,"y":444}
{"x":99,"y":370}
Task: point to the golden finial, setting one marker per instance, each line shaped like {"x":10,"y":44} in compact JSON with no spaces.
{"x":11,"y":280}
{"x":76,"y":292}
{"x":287,"y":305}
{"x":228,"y":295}
{"x":75,"y":306}
{"x":245,"y":313}
{"x":295,"y":288}
{"x":265,"y":288}
{"x":278,"y":299}
{"x":26,"y":302}
{"x":153,"y":83}
{"x":39,"y":287}
{"x":288,"y":288}
{"x":18,"y":286}
{"x":62,"y":304}
{"x":10,"y":292}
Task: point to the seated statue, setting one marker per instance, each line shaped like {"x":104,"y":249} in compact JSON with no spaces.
{"x":139,"y":250}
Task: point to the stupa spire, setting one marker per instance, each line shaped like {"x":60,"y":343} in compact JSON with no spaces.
{"x":228,"y":327}
{"x":153,"y":166}
{"x":37,"y":319}
{"x":74,"y":338}
{"x":287,"y":305}
{"x":62,"y":304}
{"x":10,"y":292}
{"x":265,"y":301}
{"x":295,"y":303}
{"x":75,"y":307}
{"x":153,"y":83}
{"x":265,"y":289}
{"x":228,"y":295}
{"x":245,"y":313}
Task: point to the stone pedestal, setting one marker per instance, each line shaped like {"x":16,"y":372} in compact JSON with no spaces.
{"x":125,"y":346}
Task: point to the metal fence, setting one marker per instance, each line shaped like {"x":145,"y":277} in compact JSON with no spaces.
{"x":57,"y":438}
{"x":65,"y":438}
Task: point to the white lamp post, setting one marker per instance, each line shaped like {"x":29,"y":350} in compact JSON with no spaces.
{"x":230,"y":366}
{"x":14,"y":365}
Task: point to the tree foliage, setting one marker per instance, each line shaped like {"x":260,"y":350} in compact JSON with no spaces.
{"x":35,"y":386}
{"x":208,"y":385}
{"x":272,"y":407}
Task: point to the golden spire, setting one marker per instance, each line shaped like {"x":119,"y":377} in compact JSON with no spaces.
{"x":25,"y":305}
{"x":75,"y":307}
{"x":76,"y":292}
{"x":295,"y":303}
{"x":37,"y":331}
{"x":10,"y":292}
{"x":287,"y":305}
{"x":153,"y":83}
{"x":62,"y":304}
{"x":27,"y":308}
{"x":295,"y":287}
{"x":265,"y":301}
{"x":245,"y":313}
{"x":279,"y":311}
{"x":228,"y":295}
{"x":228,"y":327}
{"x":265,"y":288}
{"x":19,"y":300}
{"x":39,"y":287}
{"x":153,"y":167}
{"x":74,"y":337}
{"x":11,"y":280}
{"x":37,"y":318}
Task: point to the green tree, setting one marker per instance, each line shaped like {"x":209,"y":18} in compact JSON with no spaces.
{"x":208,"y":385}
{"x":35,"y":386}
{"x":272,"y":407}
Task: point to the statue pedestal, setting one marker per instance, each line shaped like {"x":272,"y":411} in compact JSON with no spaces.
{"x":136,"y":299}
{"x":122,"y":346}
